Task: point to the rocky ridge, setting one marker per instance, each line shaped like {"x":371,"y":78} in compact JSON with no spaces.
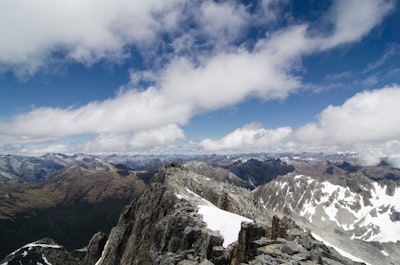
{"x":164,"y":226}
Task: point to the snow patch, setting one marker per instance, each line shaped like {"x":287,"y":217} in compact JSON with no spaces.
{"x":227,"y":223}
{"x":389,"y":230}
{"x":34,"y":244}
{"x":348,"y":211}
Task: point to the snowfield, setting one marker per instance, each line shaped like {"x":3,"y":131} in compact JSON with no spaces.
{"x":349,"y":211}
{"x":228,"y":224}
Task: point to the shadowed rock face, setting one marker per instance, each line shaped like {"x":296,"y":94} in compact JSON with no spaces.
{"x":95,"y":248}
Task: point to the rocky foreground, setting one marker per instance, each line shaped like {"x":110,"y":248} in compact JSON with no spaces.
{"x":170,"y":223}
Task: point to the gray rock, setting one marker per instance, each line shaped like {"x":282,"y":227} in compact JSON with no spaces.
{"x":95,"y":248}
{"x":245,"y":249}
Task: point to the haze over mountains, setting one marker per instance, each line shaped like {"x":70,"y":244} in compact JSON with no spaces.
{"x":70,"y":198}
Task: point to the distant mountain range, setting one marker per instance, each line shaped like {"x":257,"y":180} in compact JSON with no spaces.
{"x":349,"y":205}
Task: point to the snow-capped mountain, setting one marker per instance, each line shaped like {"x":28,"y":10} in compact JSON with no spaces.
{"x":366,"y":210}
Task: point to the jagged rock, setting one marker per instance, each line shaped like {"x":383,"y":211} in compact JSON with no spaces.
{"x":245,"y":249}
{"x":95,"y":248}
{"x":395,"y":216}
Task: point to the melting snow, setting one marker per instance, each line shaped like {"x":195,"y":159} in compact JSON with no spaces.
{"x":228,"y":224}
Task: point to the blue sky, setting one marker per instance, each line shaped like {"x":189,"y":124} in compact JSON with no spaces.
{"x":185,"y":76}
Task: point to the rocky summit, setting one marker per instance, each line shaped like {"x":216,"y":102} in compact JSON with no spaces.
{"x":174,"y":221}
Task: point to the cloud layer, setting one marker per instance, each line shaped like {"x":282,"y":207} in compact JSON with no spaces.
{"x":199,"y":58}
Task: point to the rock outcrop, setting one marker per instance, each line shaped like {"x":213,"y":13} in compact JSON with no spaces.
{"x":259,"y":245}
{"x":160,"y":227}
{"x":95,"y":248}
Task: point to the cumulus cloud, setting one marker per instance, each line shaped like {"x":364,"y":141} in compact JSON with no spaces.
{"x":252,"y":137}
{"x":84,"y":31}
{"x":367,"y":123}
{"x":131,"y":111}
{"x":142,"y":141}
{"x":370,"y":116}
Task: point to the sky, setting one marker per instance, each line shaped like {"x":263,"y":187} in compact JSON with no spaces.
{"x":198,"y":77}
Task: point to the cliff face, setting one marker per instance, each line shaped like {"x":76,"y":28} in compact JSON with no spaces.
{"x":169,"y":224}
{"x":159,"y":222}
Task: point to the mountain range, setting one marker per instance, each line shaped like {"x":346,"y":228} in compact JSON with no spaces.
{"x":350,"y":207}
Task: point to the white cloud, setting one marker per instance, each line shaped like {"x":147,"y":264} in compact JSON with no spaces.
{"x":182,"y":90}
{"x":135,"y":142}
{"x":348,"y":27}
{"x":89,"y":31}
{"x":250,"y":138}
{"x":366,"y":123}
{"x":85,"y":31}
{"x":370,"y":116}
{"x":130,"y":111}
{"x":223,"y":21}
